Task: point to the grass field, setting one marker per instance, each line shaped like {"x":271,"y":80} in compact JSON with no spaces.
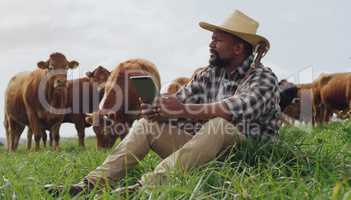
{"x":299,"y":165}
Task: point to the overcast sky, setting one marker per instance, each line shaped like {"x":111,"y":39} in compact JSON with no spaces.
{"x":307,"y":37}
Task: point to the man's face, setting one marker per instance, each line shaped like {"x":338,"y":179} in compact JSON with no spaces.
{"x":222,"y":48}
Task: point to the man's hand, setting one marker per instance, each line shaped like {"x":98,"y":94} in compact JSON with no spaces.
{"x":164,"y":106}
{"x":169,"y":106}
{"x":149,"y":111}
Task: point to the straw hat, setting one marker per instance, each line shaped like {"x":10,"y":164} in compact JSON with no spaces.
{"x":241,"y":26}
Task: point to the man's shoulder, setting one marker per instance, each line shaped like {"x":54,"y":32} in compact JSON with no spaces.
{"x":201,"y":71}
{"x":205,"y":69}
{"x":263,"y":70}
{"x":263,"y":74}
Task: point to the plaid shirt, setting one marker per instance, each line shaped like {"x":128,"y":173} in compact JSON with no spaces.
{"x":251,"y":96}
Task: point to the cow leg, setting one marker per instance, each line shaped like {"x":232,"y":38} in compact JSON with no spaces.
{"x":320,"y":110}
{"x":326,"y":116}
{"x":50,"y":138}
{"x":81,"y":133}
{"x":347,"y":112}
{"x":16,"y":133}
{"x":17,"y":138}
{"x":7,"y":130}
{"x":29,"y":138}
{"x":14,"y":130}
{"x":34,"y":125}
{"x":55,"y":131}
{"x":44,"y":138}
{"x":328,"y":112}
{"x":37,"y":138}
{"x":99,"y":137}
{"x":314,"y":115}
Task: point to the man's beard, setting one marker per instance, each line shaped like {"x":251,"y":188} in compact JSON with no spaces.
{"x":215,"y":60}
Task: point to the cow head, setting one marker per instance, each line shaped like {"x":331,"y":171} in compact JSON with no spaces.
{"x":99,"y":76}
{"x":105,"y":119}
{"x":104,"y":130}
{"x":57,"y":66}
{"x":288,"y":92}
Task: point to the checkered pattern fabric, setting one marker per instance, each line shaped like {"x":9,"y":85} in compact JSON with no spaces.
{"x":250,"y":94}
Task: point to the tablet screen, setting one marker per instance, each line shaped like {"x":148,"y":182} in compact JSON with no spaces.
{"x":145,"y":87}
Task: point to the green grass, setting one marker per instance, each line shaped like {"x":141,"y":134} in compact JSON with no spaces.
{"x":299,"y":165}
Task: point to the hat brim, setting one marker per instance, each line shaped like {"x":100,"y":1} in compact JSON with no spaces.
{"x":253,"y":39}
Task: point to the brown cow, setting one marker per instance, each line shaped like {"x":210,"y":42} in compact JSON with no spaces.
{"x":84,"y":95}
{"x":36,"y":99}
{"x":176,"y":84}
{"x":301,"y":108}
{"x":331,"y":94}
{"x":120,"y":104}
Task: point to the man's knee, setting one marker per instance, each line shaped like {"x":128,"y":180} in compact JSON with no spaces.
{"x":218,"y":124}
{"x":144,"y":126}
{"x":218,"y":120}
{"x":220,"y":128}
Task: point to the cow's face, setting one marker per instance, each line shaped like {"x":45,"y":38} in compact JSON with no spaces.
{"x":288,"y":92}
{"x":57,"y":66}
{"x":283,"y":83}
{"x":99,"y":76}
{"x":105,"y":135}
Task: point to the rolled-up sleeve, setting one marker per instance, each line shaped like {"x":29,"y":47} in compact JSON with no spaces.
{"x":255,"y":98}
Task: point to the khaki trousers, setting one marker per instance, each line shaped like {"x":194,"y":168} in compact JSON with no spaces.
{"x":177,"y":148}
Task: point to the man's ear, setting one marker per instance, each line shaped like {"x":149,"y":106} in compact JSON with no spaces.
{"x":43,"y":64}
{"x":89,"y":74}
{"x":73,"y":64}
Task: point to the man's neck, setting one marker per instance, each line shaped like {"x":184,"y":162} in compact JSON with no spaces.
{"x":234,"y":64}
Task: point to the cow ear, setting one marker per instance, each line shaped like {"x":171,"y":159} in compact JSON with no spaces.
{"x":73,"y":64}
{"x":43,"y":65}
{"x":296,"y":100}
{"x":89,"y":74}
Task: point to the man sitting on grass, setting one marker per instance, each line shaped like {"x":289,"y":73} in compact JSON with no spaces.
{"x":235,"y":97}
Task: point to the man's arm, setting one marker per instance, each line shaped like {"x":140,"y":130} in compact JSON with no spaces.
{"x":207,"y":111}
{"x":260,"y":96}
{"x":185,"y":94}
{"x":170,"y":107}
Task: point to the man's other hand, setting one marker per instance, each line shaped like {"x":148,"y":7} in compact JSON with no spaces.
{"x":169,"y":106}
{"x":149,"y":111}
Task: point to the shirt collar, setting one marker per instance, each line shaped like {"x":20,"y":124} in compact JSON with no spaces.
{"x":243,"y":68}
